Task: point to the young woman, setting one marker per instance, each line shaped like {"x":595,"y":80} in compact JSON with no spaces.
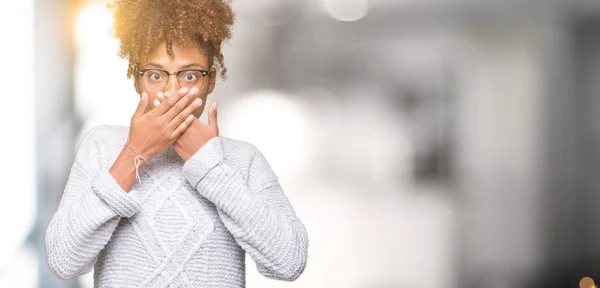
{"x":168,"y":202}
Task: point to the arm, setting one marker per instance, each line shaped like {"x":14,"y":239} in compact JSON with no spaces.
{"x":256,"y":212}
{"x":95,"y":198}
{"x":92,"y":204}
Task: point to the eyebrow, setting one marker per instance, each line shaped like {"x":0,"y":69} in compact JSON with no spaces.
{"x":187,"y":66}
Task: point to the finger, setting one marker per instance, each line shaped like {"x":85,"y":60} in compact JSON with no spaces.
{"x":212,"y":115}
{"x":161,"y":97}
{"x":181,"y":104}
{"x":182,"y":127}
{"x":167,"y":95}
{"x":139,"y":111}
{"x":185,"y":113}
{"x":156,"y":102}
{"x":171,"y":101}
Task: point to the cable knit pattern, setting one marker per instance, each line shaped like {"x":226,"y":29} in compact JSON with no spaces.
{"x":186,"y":224}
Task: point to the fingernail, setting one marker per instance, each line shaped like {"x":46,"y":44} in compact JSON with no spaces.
{"x":214,"y":106}
{"x":144,"y":96}
{"x":183,"y":90}
{"x":194,"y":90}
{"x":197,"y":101}
{"x":156,"y":103}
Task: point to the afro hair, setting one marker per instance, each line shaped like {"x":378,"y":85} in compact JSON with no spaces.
{"x":141,"y":25}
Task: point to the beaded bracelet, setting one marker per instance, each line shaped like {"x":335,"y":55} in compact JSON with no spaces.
{"x":136,"y":162}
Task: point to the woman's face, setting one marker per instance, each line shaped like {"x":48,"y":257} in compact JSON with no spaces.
{"x":188,"y":57}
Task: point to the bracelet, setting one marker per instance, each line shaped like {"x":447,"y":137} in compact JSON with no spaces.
{"x":136,"y":162}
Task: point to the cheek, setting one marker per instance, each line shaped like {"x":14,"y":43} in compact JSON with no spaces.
{"x":151,"y":97}
{"x":198,"y":111}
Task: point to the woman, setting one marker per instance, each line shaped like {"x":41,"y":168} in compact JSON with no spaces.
{"x":168,"y":202}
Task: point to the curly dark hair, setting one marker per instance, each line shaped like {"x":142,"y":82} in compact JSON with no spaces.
{"x":141,"y":25}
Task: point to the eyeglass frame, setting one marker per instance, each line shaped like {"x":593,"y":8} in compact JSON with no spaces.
{"x":141,"y":72}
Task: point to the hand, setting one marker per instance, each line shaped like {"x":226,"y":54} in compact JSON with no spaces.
{"x":197,"y":134}
{"x":153,"y":131}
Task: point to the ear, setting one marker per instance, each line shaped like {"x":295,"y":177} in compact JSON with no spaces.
{"x":212,"y":80}
{"x":133,"y":70}
{"x":136,"y":84}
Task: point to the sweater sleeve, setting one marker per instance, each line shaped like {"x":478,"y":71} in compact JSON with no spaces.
{"x":255,"y":210}
{"x":89,"y":211}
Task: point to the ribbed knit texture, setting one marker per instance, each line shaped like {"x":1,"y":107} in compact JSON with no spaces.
{"x":186,"y":224}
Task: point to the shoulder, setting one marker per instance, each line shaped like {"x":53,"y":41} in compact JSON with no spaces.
{"x":105,"y":133}
{"x":239,"y":151}
{"x":237,"y":148}
{"x":248,"y":158}
{"x":101,"y":143}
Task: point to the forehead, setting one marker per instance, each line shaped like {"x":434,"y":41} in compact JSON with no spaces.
{"x":183,"y":55}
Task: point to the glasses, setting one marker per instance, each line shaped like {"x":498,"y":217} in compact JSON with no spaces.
{"x":156,"y":80}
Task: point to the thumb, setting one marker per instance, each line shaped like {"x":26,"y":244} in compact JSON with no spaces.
{"x":141,"y":106}
{"x":212,"y":115}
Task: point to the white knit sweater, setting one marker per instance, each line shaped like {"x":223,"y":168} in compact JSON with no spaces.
{"x":184,"y":224}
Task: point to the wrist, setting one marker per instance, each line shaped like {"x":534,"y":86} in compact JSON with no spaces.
{"x":190,"y":153}
{"x":136,"y":149}
{"x":131,"y":154}
{"x":185,"y":154}
{"x":123,"y":169}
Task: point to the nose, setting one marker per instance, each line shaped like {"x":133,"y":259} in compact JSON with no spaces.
{"x":172,"y":85}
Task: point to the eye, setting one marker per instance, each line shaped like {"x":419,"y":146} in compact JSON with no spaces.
{"x":190,"y":77}
{"x":155,"y":76}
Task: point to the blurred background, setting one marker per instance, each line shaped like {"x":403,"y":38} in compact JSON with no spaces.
{"x":437,"y":143}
